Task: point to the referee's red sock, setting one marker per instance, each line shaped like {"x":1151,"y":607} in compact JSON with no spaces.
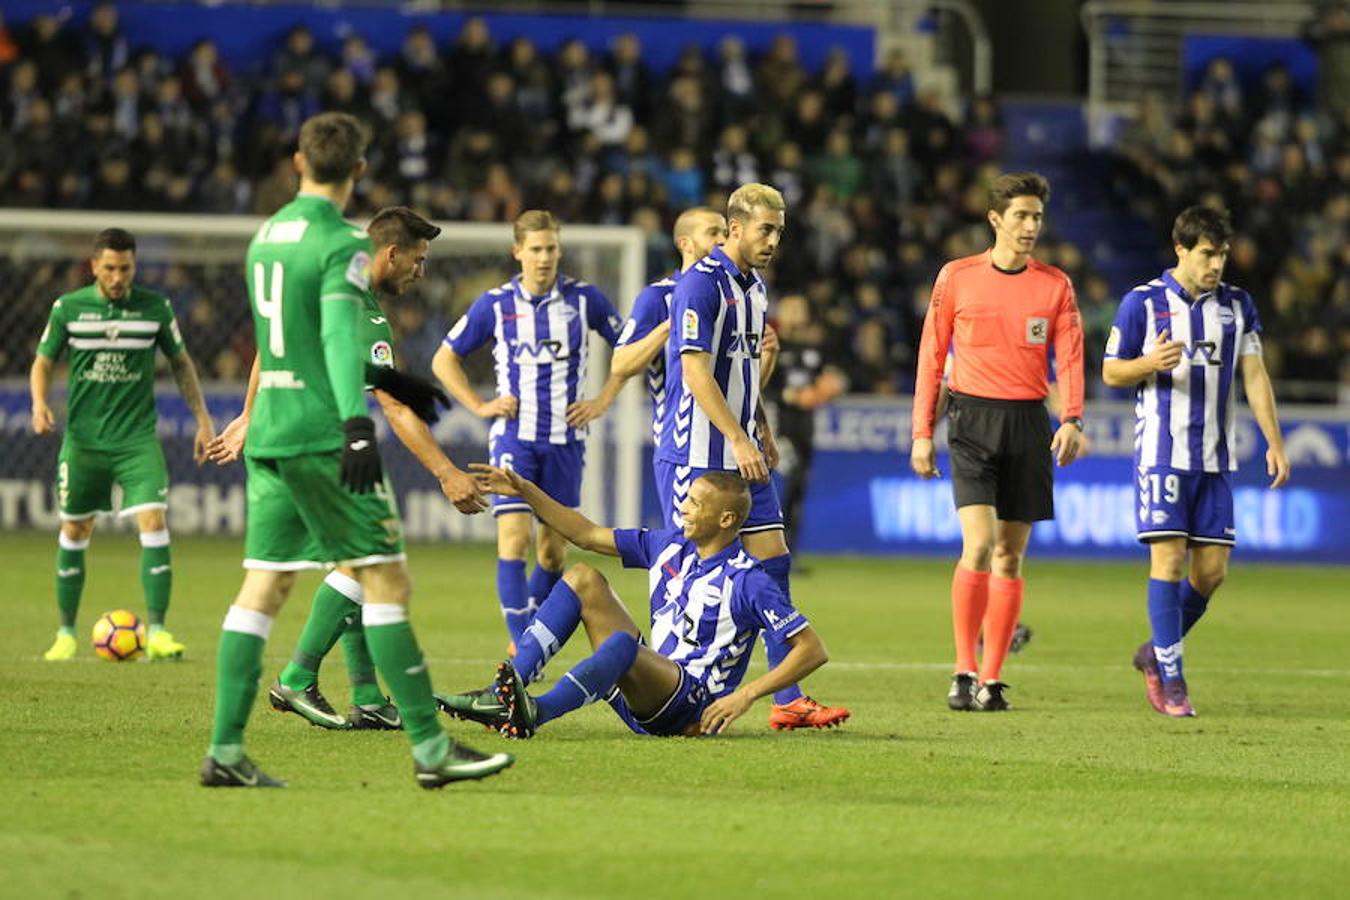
{"x":970,"y":596}
{"x":1005,"y":608}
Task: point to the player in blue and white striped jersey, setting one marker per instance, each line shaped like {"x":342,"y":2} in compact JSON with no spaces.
{"x":1181,"y":340}
{"x":714,"y":418}
{"x":539,"y":324}
{"x":642,"y":341}
{"x":709,"y":601}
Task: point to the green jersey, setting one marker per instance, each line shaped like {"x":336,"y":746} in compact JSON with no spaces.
{"x":112,"y":361}
{"x":376,"y":335}
{"x":308,"y":273}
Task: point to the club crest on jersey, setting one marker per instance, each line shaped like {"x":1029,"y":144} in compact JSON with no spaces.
{"x":381,"y":354}
{"x":358,"y":270}
{"x":1226,"y":316}
{"x":1037,"y":330}
{"x":689,"y":325}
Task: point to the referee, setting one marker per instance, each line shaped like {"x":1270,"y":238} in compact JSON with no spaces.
{"x":999,"y":313}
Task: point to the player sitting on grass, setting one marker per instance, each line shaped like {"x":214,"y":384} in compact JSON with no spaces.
{"x":710,"y":600}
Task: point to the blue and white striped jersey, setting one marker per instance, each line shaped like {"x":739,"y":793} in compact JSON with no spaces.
{"x":1185,"y":417}
{"x":718,"y":310}
{"x":650,"y":309}
{"x":540,"y":350}
{"x":706,"y":613}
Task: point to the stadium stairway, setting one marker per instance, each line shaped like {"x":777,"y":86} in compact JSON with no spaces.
{"x":1051,"y":137}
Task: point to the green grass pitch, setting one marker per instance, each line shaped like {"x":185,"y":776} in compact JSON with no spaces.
{"x":1081,"y":791}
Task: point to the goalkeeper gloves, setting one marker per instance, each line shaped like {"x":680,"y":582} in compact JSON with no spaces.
{"x":360,"y":457}
{"x":417,"y":394}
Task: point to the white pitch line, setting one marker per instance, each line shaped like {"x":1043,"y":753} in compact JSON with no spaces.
{"x":891,"y":667}
{"x":1021,"y":667}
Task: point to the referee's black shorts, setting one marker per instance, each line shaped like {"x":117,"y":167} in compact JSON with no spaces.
{"x":1000,"y":452}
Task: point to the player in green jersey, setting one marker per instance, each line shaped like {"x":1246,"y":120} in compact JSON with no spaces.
{"x":316,"y":495}
{"x":111,"y":330}
{"x":401,"y":240}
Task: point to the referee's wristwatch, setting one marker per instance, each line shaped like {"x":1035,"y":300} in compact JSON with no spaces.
{"x":1075,"y":421}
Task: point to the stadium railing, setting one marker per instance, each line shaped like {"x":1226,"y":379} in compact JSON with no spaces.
{"x":1138,"y":49}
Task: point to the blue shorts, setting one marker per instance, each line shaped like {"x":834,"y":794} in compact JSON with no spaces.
{"x":555,"y":468}
{"x":676,"y":717}
{"x":1195,"y":505}
{"x":672,"y":485}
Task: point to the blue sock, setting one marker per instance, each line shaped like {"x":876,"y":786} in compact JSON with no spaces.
{"x":511,"y":595}
{"x":552,"y":625}
{"x":590,"y":679}
{"x":541,"y":582}
{"x":1164,"y":614}
{"x":1193,"y":606}
{"x":779,"y":569}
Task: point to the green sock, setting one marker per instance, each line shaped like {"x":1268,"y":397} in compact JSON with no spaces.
{"x":156,"y":574}
{"x":69,"y":580}
{"x":238,"y":668}
{"x":328,"y":616}
{"x":360,"y":667}
{"x":399,"y":661}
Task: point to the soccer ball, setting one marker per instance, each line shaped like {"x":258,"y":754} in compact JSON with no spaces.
{"x":119,"y":636}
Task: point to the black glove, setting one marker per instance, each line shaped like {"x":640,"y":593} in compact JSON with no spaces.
{"x":418,"y":394}
{"x":360,"y":457}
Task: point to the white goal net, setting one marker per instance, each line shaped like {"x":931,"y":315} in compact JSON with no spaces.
{"x":197,"y":261}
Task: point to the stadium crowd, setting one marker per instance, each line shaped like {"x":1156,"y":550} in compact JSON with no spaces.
{"x":883,"y":184}
{"x":1279,"y":159}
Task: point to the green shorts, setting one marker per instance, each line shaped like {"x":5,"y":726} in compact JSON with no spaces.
{"x":301,"y":517}
{"x":85,"y":477}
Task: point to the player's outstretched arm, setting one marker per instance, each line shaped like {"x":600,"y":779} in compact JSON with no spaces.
{"x":1261,"y":398}
{"x":185,"y":374}
{"x":807,"y":654}
{"x":459,"y":486}
{"x":449,"y":369}
{"x":570,"y":523}
{"x":228,"y":446}
{"x":39,"y":381}
{"x":698,"y":378}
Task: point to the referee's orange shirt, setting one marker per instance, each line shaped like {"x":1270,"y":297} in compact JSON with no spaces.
{"x":1000,"y":326}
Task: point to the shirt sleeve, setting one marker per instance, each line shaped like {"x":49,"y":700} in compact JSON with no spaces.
{"x":649,"y":311}
{"x":768,"y":604}
{"x":602,"y":317}
{"x":933,"y":347}
{"x":345,"y":283}
{"x":638,"y":547}
{"x":1126,"y":340}
{"x":1069,"y":354}
{"x":694,"y":310}
{"x":53,"y":338}
{"x":1249,"y":343}
{"x":170,"y":339}
{"x":473,"y":329}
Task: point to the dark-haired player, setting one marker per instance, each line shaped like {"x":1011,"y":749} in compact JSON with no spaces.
{"x":111,"y":330}
{"x":999,"y":312}
{"x":710,"y":600}
{"x":1180,"y":341}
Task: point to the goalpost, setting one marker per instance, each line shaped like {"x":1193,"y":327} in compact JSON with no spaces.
{"x":197,"y":260}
